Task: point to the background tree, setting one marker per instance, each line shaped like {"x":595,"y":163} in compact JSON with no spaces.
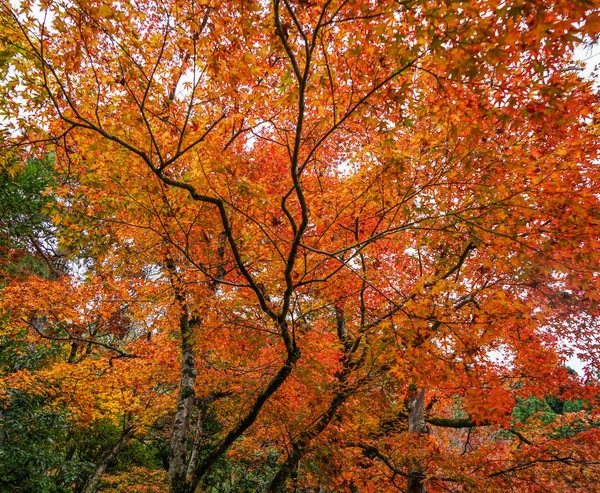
{"x":56,"y":436}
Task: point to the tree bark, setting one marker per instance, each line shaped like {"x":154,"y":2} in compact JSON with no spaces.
{"x":417,"y":426}
{"x":198,"y":443}
{"x":200,"y":434}
{"x":187,"y":396}
{"x":185,"y":404}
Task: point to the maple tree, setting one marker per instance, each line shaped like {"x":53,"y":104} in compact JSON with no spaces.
{"x":360,"y":236}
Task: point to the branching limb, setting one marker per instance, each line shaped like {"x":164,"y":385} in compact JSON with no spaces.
{"x":38,"y":323}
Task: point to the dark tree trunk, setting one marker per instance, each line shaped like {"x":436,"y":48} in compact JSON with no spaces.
{"x":301,"y":443}
{"x":250,"y":417}
{"x":186,"y":399}
{"x":108,"y":459}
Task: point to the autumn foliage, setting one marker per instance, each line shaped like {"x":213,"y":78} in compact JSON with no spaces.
{"x":329,"y":245}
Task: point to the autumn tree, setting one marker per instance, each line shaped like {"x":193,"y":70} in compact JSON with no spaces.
{"x":372,"y":227}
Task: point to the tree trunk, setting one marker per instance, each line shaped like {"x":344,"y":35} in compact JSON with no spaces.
{"x":417,"y":426}
{"x":185,"y":404}
{"x":200,"y":435}
{"x":285,"y":470}
{"x":301,"y":443}
{"x":198,"y":443}
{"x":110,"y":457}
{"x":250,"y":417}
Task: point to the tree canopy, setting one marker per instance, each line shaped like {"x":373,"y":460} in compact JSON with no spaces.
{"x":303,"y":245}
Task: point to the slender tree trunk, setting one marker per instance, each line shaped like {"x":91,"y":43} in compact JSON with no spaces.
{"x":187,"y":396}
{"x":73,"y":352}
{"x":301,"y":443}
{"x":290,"y":464}
{"x":198,"y":443}
{"x":200,"y":435}
{"x":250,"y":417}
{"x":110,"y":457}
{"x":417,"y":426}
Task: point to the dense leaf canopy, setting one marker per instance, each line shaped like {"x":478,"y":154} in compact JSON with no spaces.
{"x":329,"y":245}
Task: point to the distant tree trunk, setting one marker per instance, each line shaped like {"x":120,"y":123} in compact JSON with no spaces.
{"x":417,"y":426}
{"x":108,"y":460}
{"x":73,"y":352}
{"x":198,"y":444}
{"x":200,"y":435}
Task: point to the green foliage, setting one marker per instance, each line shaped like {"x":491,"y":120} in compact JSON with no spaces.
{"x":545,"y":409}
{"x":16,"y":354}
{"x":141,"y":454}
{"x":526,"y":409}
{"x":243,"y":475}
{"x":26,"y":232}
{"x":37,"y":443}
{"x":561,"y":407}
{"x":573,"y":406}
{"x":35,"y":456}
{"x":23,"y":202}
